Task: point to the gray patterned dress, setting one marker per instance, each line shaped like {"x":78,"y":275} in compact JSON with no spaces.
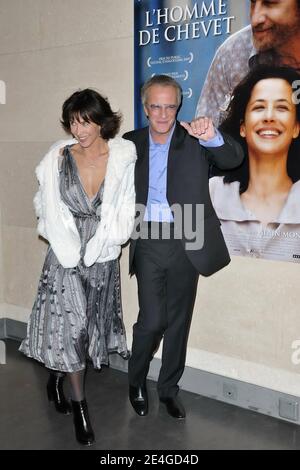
{"x":77,"y":314}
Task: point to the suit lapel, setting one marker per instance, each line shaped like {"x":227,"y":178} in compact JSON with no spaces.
{"x":142,"y":166}
{"x":175,"y":156}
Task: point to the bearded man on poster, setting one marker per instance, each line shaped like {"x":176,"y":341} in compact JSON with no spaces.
{"x":273,"y":37}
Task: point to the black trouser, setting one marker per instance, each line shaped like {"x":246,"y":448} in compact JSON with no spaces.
{"x":167,"y":284}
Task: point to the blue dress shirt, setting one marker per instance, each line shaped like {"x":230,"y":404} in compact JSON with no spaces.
{"x":158,"y":209}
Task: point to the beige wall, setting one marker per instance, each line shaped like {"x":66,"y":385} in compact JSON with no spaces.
{"x":47,"y":51}
{"x":246,"y":316}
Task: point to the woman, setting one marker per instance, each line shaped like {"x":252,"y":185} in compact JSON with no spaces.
{"x":258,"y":203}
{"x":85,"y":206}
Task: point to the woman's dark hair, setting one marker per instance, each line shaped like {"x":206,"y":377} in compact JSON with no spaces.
{"x":91,"y":107}
{"x":236,"y":114}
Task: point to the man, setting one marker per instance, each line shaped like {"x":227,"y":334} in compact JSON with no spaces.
{"x":172,"y":169}
{"x":274,"y":30}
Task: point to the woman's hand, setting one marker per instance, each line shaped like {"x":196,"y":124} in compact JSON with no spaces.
{"x":201,"y":128}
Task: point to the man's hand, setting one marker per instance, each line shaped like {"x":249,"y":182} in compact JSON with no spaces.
{"x":201,"y":128}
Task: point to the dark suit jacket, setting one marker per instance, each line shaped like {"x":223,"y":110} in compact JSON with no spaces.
{"x":187,"y":183}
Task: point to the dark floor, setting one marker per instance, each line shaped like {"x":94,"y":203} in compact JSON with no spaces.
{"x":27,"y":421}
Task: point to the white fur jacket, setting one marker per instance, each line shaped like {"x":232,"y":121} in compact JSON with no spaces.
{"x":56,"y":223}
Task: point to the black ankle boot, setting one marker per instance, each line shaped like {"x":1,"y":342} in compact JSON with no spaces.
{"x":83,"y":429}
{"x":56,"y":394}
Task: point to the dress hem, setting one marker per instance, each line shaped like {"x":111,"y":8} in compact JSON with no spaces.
{"x":79,"y":368}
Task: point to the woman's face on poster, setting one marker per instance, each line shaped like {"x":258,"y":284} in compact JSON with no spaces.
{"x":270,"y":122}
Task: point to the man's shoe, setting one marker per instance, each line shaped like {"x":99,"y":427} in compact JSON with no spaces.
{"x":174,"y":407}
{"x":139,"y":399}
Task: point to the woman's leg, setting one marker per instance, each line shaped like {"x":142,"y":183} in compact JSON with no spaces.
{"x":77,"y":382}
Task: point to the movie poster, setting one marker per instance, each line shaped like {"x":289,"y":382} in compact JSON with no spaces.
{"x":209,"y":46}
{"x":179,"y":38}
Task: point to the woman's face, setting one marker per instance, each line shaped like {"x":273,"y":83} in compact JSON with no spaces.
{"x":85,"y":132}
{"x":270,"y":119}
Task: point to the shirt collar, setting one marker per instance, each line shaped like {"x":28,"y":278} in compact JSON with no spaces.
{"x":234,"y":209}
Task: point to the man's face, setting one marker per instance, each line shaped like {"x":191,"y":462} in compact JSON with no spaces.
{"x":161,"y":108}
{"x":274,"y":22}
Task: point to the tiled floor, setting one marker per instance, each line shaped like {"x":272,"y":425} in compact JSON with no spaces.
{"x":27,"y":421}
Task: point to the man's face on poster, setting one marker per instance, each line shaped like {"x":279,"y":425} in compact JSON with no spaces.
{"x":274,"y":22}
